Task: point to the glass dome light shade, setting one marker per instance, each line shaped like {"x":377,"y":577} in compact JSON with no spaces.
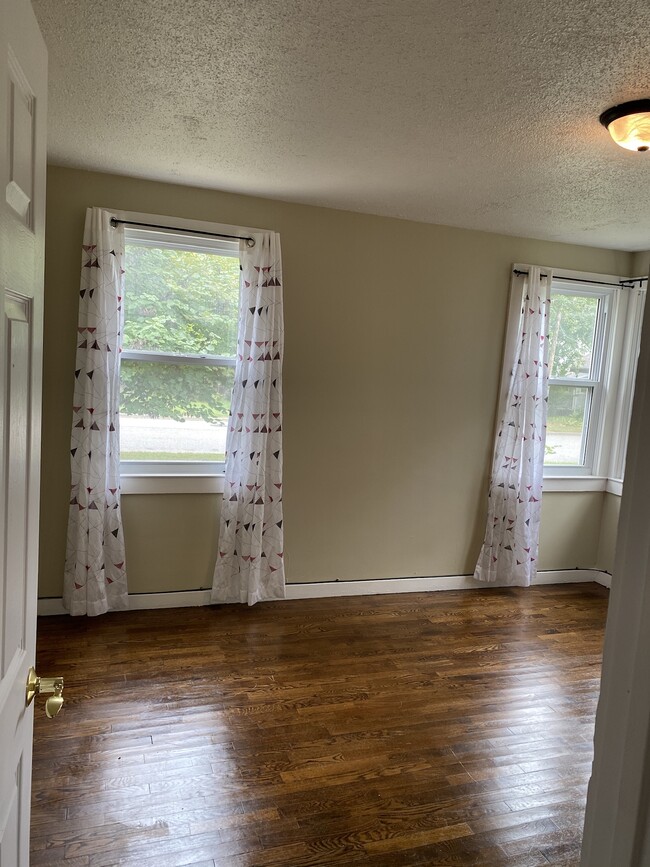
{"x":632,"y":131}
{"x":629,"y":124}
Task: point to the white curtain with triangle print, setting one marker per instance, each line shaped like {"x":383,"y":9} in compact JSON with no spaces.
{"x":95,"y":574}
{"x":250,"y":558}
{"x":509,"y":552}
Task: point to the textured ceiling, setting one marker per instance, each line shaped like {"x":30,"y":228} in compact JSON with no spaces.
{"x":474,"y":113}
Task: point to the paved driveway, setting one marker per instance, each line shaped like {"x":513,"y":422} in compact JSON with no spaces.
{"x":165,"y":435}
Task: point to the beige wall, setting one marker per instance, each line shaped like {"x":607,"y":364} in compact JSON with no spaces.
{"x":608,"y":532}
{"x":570,"y":530}
{"x":171,"y":539}
{"x":640,"y":264}
{"x":393,"y":352}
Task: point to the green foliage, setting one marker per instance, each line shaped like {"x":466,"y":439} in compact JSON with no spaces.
{"x":183,"y":302}
{"x":176,"y":391}
{"x":570,"y":423}
{"x":571,"y":334}
{"x":172,"y":456}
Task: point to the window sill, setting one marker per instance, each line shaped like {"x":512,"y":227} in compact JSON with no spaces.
{"x":557,"y":484}
{"x":214,"y":484}
{"x":172,"y":484}
{"x":614,"y":486}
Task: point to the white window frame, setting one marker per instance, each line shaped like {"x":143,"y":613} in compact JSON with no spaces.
{"x":180,"y":477}
{"x":605,"y":454}
{"x":601,"y":362}
{"x":624,"y":391}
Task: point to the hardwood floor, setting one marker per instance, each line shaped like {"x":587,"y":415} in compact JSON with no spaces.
{"x":450,"y":728}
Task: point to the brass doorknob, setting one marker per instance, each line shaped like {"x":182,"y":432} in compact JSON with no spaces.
{"x":45,"y":685}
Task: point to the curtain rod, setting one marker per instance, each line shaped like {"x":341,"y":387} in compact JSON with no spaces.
{"x":626,"y":283}
{"x":250,"y":242}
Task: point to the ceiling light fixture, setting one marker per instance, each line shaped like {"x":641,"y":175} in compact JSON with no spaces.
{"x":629,"y":124}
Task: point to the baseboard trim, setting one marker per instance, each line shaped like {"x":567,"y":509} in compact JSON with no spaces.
{"x":603,"y":578}
{"x":139,"y":601}
{"x":324,"y":589}
{"x":328,"y":589}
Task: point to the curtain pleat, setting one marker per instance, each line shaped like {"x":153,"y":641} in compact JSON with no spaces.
{"x":510,"y":548}
{"x":95,"y":573}
{"x":250,"y":558}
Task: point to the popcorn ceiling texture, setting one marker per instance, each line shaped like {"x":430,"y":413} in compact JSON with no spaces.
{"x":473,"y":113}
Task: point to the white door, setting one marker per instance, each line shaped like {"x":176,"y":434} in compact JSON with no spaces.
{"x":23,"y":97}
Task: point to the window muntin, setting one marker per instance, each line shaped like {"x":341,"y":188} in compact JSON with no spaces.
{"x":577,"y":354}
{"x":179,"y":348}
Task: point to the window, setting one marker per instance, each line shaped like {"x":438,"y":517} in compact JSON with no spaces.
{"x":594,"y":333}
{"x":181,"y":310}
{"x":579,"y":331}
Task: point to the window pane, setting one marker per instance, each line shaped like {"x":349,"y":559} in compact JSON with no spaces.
{"x":571,"y":335}
{"x":180,"y":301}
{"x":174,"y":412}
{"x":566,"y":424}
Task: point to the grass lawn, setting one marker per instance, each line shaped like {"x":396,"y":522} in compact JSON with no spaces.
{"x":564,"y":424}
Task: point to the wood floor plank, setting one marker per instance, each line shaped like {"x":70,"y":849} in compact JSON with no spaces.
{"x":447,"y":728}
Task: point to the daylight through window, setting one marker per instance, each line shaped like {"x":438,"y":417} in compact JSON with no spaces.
{"x":578,"y":335}
{"x":179,"y":347}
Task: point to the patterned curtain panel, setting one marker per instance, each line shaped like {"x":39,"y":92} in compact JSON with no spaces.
{"x":250,"y":565}
{"x":95,"y":575}
{"x":509,"y":552}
